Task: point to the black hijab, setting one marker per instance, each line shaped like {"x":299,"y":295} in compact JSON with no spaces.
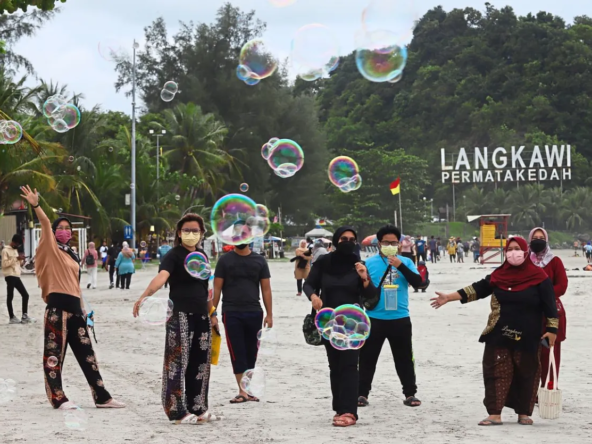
{"x":336,"y":262}
{"x":65,"y":247}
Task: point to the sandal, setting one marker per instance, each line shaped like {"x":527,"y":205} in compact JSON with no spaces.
{"x":209,"y":417}
{"x":112,"y":404}
{"x":525,"y":421}
{"x":345,"y":420}
{"x":363,"y":402}
{"x":412,"y":401}
{"x":189,"y":419}
{"x":253,"y":398}
{"x":490,"y":422}
{"x":239,"y":399}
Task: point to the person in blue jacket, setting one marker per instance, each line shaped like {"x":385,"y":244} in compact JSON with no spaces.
{"x":393,"y":274}
{"x":125,"y":266}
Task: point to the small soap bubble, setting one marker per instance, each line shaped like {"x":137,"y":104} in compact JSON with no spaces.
{"x":253,"y":382}
{"x":155,"y":310}
{"x":52,"y":361}
{"x":76,"y":419}
{"x":198,"y":266}
{"x":244,"y":187}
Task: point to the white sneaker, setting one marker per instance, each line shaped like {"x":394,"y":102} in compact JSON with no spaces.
{"x":27,"y":320}
{"x":14,"y":320}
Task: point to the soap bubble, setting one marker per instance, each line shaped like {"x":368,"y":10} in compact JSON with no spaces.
{"x":70,"y":114}
{"x":171,"y":87}
{"x":229,"y":218}
{"x":322,"y":320}
{"x":155,"y":310}
{"x":286,"y":158}
{"x":265,"y":150}
{"x":198,"y":266}
{"x":76,"y":419}
{"x":166,"y":96}
{"x":110,"y":49}
{"x":52,"y":361}
{"x":253,"y":382}
{"x":257,"y":59}
{"x":397,"y":79}
{"x":244,"y":187}
{"x":53,"y":104}
{"x":346,"y":328}
{"x":397,"y":16}
{"x":251,"y":81}
{"x":178,"y":197}
{"x":61,"y":115}
{"x":262,"y":211}
{"x":110,"y":149}
{"x":10,"y":132}
{"x":242,"y":72}
{"x":345,"y":174}
{"x":143,"y":244}
{"x":268,"y":341}
{"x":315,"y":51}
{"x":379,"y":59}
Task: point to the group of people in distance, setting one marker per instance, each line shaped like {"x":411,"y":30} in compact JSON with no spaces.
{"x":525,"y":289}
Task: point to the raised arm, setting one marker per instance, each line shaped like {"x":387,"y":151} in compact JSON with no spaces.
{"x":33,"y":198}
{"x":478,"y":290}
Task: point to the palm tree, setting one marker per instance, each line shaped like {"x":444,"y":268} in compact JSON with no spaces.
{"x":575,"y":207}
{"x":497,"y":201}
{"x":527,"y":205}
{"x":475,"y":201}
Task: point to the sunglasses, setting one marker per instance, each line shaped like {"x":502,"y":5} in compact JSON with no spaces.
{"x":347,"y":239}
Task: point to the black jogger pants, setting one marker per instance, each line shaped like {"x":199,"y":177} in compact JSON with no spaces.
{"x":13,"y":282}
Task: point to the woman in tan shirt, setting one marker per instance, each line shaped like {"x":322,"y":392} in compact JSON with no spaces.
{"x":58,"y":273}
{"x":302,"y":265}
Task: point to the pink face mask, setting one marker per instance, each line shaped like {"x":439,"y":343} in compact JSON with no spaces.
{"x":516,"y":257}
{"x":63,"y":236}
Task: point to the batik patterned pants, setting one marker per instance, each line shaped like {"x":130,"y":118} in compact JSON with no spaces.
{"x":187,"y":358}
{"x":60,"y":330}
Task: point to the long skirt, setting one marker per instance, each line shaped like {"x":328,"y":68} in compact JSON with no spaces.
{"x":511,"y":379}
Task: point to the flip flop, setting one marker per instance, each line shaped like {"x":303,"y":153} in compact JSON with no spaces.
{"x":525,"y":421}
{"x":409,"y":402}
{"x":239,"y":399}
{"x":363,"y":402}
{"x":253,"y":398}
{"x":490,"y":422}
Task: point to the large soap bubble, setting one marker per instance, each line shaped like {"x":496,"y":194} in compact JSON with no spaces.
{"x":346,"y":328}
{"x":232,"y":218}
{"x":286,"y":158}
{"x":198,"y":266}
{"x":256,"y":62}
{"x":379,"y":58}
{"x":345,"y":174}
{"x":397,"y":16}
{"x":155,"y":310}
{"x":10,"y":132}
{"x":253,"y":382}
{"x":61,"y":115}
{"x":268,"y":341}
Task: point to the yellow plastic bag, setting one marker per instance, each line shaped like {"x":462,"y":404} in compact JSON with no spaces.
{"x":216,"y":343}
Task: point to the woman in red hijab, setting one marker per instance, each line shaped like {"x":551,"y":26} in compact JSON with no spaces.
{"x":521,"y":293}
{"x":542,"y":256}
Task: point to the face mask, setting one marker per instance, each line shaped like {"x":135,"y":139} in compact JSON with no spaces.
{"x":63,"y":236}
{"x":190,"y":239}
{"x":516,"y":257}
{"x":389,"y":250}
{"x":538,"y":245}
{"x":242,"y":246}
{"x":346,"y":247}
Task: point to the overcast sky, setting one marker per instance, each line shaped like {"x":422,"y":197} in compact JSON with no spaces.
{"x":66,"y":49}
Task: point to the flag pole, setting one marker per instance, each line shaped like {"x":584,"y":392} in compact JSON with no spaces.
{"x":400,"y":212}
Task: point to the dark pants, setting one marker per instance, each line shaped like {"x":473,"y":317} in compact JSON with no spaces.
{"x":434,"y":254}
{"x":13,"y":282}
{"x":452,"y":257}
{"x":111,"y":273}
{"x":186,"y":370}
{"x":409,"y":255}
{"x":421,"y":256}
{"x":511,"y":378}
{"x":241,"y":337}
{"x":60,"y":330}
{"x":299,"y":285}
{"x":398,"y":332}
{"x":343,"y":370}
{"x":126,"y":280}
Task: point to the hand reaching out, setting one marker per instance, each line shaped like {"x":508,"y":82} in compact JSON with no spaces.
{"x":441,"y":300}
{"x":30,"y":196}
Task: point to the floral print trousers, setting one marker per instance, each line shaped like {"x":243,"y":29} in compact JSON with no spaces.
{"x":186,"y":371}
{"x":60,"y":330}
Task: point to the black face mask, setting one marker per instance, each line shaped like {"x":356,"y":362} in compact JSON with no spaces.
{"x":346,"y":247}
{"x":538,"y":245}
{"x":242,"y":246}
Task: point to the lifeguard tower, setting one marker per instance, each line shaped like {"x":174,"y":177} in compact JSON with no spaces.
{"x":493,"y":229}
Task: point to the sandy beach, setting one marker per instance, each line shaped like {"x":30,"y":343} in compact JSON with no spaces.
{"x":296,"y":408}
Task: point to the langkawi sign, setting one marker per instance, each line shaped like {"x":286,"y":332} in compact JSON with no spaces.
{"x":551,"y":162}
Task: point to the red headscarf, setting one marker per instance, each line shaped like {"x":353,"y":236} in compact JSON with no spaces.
{"x":509,"y":277}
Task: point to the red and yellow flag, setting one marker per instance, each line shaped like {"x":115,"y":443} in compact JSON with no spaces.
{"x":396,"y":186}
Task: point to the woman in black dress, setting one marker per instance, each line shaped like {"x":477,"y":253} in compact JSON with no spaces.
{"x":336,"y":279}
{"x":521,"y":293}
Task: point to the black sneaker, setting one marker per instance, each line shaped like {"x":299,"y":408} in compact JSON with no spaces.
{"x":111,"y":286}
{"x":88,"y":286}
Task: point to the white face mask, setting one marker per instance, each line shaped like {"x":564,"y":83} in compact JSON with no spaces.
{"x":389,"y":250}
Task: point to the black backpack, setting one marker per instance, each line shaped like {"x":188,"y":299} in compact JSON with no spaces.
{"x":90,"y":259}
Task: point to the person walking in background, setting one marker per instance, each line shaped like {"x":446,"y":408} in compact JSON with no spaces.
{"x":407,"y":247}
{"x":460,"y":250}
{"x":302,"y":265}
{"x":240,"y":276}
{"x":318,"y":250}
{"x":58,"y":272}
{"x":521,"y":293}
{"x":466,"y":248}
{"x":390,"y":321}
{"x":339,"y":278}
{"x":125,"y":266}
{"x":2,"y":245}
{"x":112,"y":254}
{"x":441,"y":249}
{"x":476,"y":249}
{"x":451,"y":249}
{"x":91,"y":260}
{"x":162,"y":252}
{"x":103,"y":251}
{"x":588,"y":250}
{"x":542,"y":256}
{"x":11,"y":267}
{"x":420,"y":248}
{"x":433,"y":245}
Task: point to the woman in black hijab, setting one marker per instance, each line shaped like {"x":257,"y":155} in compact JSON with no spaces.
{"x":336,"y":279}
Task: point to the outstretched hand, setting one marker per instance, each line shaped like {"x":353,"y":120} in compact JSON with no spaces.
{"x":441,"y":300}
{"x":30,"y":196}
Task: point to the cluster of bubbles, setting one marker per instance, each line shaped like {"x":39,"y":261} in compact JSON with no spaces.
{"x":198,"y":266}
{"x":155,"y":310}
{"x":169,"y":90}
{"x":314,"y":52}
{"x":244,"y":187}
{"x":236,"y":219}
{"x":10,"y":132}
{"x":387,"y":26}
{"x":61,"y":115}
{"x":347,"y":327}
{"x":284,"y":156}
{"x":7,"y":390}
{"x":75,"y":419}
{"x":256,"y":62}
{"x":253,"y":382}
{"x":345,"y":174}
{"x":267,"y":341}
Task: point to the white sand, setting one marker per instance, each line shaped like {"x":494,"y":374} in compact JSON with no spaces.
{"x":297,"y":406}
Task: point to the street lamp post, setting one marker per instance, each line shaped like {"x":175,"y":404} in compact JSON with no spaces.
{"x":133,"y":182}
{"x":158,"y":136}
{"x":432,"y":209}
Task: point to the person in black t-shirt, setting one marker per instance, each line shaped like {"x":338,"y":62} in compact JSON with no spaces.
{"x":112,"y":253}
{"x":239,"y":275}
{"x":188,"y":344}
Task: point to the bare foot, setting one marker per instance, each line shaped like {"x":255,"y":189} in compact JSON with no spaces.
{"x":525,"y":420}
